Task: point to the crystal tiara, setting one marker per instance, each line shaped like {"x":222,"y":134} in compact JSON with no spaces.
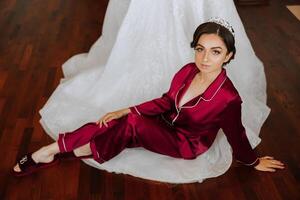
{"x":223,"y":23}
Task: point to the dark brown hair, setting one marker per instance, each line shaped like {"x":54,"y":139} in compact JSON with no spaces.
{"x":221,"y":31}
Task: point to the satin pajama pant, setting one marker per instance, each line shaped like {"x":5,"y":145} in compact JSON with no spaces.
{"x":132,"y":130}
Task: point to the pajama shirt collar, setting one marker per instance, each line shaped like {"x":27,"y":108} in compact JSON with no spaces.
{"x":207,"y":95}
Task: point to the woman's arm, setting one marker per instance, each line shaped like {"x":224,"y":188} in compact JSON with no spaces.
{"x":153,"y":107}
{"x":231,"y":124}
{"x":234,"y":130}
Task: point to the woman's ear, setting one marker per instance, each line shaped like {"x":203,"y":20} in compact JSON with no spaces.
{"x":228,"y":56}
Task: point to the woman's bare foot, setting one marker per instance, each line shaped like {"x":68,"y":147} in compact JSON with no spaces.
{"x":43,"y":155}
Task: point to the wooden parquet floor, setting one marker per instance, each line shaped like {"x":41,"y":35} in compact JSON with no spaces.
{"x":36,"y":37}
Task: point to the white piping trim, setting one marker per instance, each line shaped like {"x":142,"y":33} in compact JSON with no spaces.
{"x":176,"y":97}
{"x":247,"y":164}
{"x":179,"y":108}
{"x":216,"y":90}
{"x":206,"y":99}
{"x":176,"y":116}
{"x":63,"y":140}
{"x":175,"y":102}
{"x":137,"y":110}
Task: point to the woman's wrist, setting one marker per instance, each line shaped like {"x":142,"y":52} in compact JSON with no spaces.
{"x":126,"y":111}
{"x":256,"y":162}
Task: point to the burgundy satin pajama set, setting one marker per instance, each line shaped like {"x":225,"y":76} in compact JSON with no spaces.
{"x":161,"y":126}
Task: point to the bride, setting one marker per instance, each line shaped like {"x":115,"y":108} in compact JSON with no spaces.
{"x":143,"y":44}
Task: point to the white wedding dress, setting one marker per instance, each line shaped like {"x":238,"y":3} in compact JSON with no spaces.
{"x":143,"y":44}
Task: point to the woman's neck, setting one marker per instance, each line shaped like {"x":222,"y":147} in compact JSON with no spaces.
{"x":208,"y":77}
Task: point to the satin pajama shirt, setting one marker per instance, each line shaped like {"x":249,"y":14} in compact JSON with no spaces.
{"x":162,"y":126}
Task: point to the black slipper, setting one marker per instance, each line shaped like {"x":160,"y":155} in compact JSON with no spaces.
{"x":28,"y":165}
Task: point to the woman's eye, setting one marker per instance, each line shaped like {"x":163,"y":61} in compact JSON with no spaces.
{"x":215,"y":52}
{"x":199,"y":49}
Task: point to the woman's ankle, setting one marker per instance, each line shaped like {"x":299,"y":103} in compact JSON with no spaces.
{"x":45,"y":152}
{"x":53,"y":148}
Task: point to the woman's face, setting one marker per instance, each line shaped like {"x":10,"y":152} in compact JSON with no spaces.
{"x":211,"y":53}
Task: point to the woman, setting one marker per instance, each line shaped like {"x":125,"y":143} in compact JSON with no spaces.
{"x":183,"y":123}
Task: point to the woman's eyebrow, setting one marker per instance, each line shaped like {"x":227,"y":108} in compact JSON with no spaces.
{"x":211,"y":47}
{"x":216,"y":48}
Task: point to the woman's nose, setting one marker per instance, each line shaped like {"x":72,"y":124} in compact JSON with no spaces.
{"x":205,"y":58}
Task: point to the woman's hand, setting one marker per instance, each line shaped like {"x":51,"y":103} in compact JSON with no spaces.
{"x":112,"y":115}
{"x":269,"y":164}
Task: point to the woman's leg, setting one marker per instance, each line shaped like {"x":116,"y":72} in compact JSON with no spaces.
{"x":78,"y":141}
{"x":46,"y":153}
{"x":84,"y":150}
{"x":106,"y":142}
